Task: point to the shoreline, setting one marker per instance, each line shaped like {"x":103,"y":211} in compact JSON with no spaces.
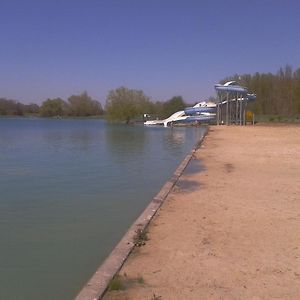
{"x":228,"y":232}
{"x":97,"y":285}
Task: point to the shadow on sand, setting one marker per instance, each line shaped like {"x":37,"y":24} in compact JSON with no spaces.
{"x":186,"y":185}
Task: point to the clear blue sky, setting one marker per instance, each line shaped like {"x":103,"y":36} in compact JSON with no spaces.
{"x":55,"y":48}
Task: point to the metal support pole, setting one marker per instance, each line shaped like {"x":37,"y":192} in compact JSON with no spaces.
{"x":241,"y":110}
{"x":230,"y":109}
{"x":236,"y":108}
{"x":245,"y":108}
{"x":227,"y":110}
{"x":218,"y":109}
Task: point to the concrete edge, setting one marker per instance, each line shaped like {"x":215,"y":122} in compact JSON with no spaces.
{"x":96,"y":287}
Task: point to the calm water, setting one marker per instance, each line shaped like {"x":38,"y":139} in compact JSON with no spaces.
{"x":69,"y":189}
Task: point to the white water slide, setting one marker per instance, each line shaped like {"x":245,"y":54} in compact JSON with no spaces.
{"x":178,"y":116}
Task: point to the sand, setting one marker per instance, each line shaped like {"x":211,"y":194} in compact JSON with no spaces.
{"x":231,"y":231}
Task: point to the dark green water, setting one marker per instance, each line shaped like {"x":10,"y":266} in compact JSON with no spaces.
{"x":69,"y":189}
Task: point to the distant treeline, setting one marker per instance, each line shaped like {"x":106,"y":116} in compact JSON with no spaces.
{"x":14,"y":108}
{"x":277,"y":94}
{"x":122,"y":104}
{"x":77,"y":105}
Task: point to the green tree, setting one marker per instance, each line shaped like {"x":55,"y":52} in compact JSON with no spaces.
{"x":296,"y":91}
{"x":83,"y":105}
{"x":11,"y":107}
{"x":174,"y":104}
{"x":31,"y":108}
{"x":156,"y":109}
{"x":123,"y":104}
{"x":53,"y":107}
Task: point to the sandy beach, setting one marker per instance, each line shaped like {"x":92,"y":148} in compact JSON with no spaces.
{"x":230,"y":231}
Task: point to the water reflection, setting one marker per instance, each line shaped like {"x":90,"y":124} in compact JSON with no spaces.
{"x":72,"y":139}
{"x":174,"y":139}
{"x":125,"y":143}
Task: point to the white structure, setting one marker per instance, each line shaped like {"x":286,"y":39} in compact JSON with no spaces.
{"x":233,"y":100}
{"x":202,"y":111}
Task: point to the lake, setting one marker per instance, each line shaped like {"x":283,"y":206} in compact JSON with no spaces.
{"x":69,"y":190}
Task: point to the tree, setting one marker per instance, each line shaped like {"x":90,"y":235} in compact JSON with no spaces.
{"x":83,"y":105}
{"x":31,"y":108}
{"x":296,"y":91}
{"x":53,"y":107}
{"x":11,"y":107}
{"x":174,"y":104}
{"x":156,"y":109}
{"x":123,"y":104}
